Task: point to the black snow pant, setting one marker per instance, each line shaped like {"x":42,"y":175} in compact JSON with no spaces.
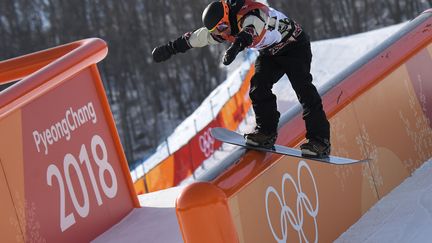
{"x":294,"y":60}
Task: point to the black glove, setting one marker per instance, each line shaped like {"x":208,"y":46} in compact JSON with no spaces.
{"x":235,"y":5}
{"x":231,"y":53}
{"x":163,"y":53}
{"x":243,"y":40}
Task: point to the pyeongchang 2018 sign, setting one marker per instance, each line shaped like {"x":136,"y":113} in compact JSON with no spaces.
{"x":72,"y":172}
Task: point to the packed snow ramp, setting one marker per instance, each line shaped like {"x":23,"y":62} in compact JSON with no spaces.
{"x":379,"y":108}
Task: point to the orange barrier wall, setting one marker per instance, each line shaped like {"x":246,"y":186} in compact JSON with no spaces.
{"x":235,"y":110}
{"x":161,"y":176}
{"x":378,"y":110}
{"x":64,"y":176}
{"x":182,"y":163}
{"x":140,"y":186}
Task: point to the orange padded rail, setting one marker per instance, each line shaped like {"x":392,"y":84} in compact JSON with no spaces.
{"x":204,"y":202}
{"x":74,"y":57}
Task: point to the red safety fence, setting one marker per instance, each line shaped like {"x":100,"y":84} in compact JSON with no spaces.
{"x":203,"y":145}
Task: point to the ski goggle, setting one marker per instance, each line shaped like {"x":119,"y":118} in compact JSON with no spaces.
{"x":223,"y":24}
{"x":220,"y":28}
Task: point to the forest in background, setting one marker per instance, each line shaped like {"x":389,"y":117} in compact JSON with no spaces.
{"x":149,"y":100}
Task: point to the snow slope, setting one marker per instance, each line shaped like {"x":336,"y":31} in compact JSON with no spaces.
{"x":404,"y":215}
{"x":331,"y":57}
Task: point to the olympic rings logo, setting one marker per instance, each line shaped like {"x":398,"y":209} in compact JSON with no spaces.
{"x":303,"y":203}
{"x":206,"y":143}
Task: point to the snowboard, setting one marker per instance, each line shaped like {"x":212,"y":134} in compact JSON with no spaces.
{"x":228,"y":136}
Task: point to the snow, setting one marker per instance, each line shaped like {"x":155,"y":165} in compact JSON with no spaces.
{"x":404,"y":215}
{"x":161,"y":199}
{"x":156,"y":221}
{"x":147,"y":224}
{"x":330,"y":57}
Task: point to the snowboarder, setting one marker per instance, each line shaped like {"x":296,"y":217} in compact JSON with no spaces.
{"x":284,"y":48}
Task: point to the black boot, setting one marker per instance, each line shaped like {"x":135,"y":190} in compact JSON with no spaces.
{"x":316,"y":148}
{"x":261,"y":138}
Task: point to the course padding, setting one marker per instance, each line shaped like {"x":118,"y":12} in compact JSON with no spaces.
{"x":64,"y":176}
{"x":379,"y":108}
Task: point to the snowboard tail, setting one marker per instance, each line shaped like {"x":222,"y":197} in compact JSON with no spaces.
{"x":228,"y":136}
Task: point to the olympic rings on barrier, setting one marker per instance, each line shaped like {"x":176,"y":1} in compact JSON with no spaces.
{"x":302,"y":203}
{"x":206,"y":143}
